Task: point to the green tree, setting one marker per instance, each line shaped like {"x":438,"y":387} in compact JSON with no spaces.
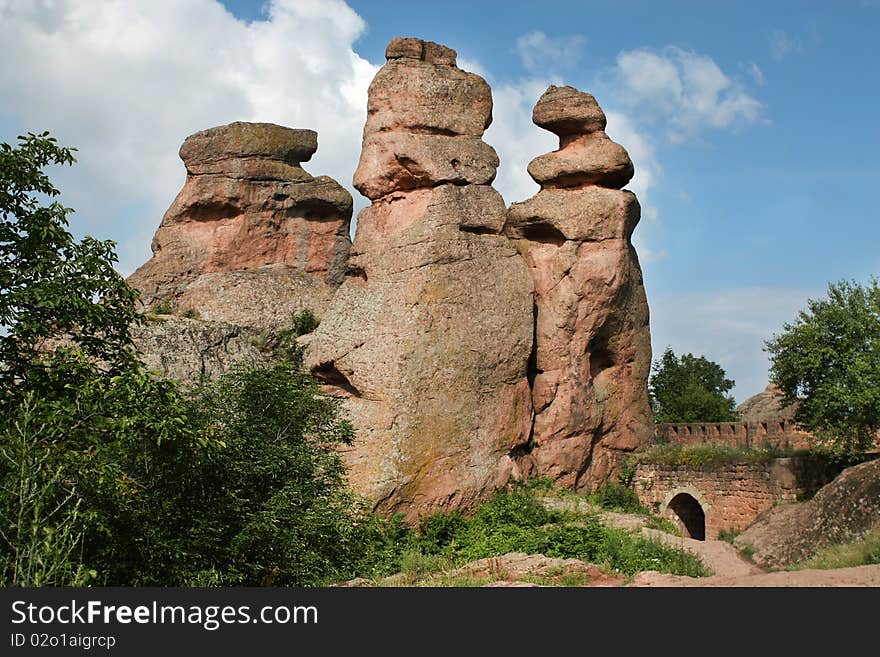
{"x":72,"y":389}
{"x":112,"y":475}
{"x":690,"y":389}
{"x":828,"y":361}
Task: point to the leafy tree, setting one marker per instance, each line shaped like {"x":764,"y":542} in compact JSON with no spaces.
{"x":828,"y":361}
{"x":111,"y":475}
{"x":690,"y":389}
{"x":262,"y":501}
{"x":72,"y":389}
{"x":51,"y":285}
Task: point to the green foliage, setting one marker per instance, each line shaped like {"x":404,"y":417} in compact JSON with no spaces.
{"x":728,"y":535}
{"x":41,"y":529}
{"x":616,"y":497}
{"x":304,"y":322}
{"x":51,"y":285}
{"x":828,"y":361}
{"x":515,"y":521}
{"x":662,"y":524}
{"x":259,"y":499}
{"x":690,"y":389}
{"x":863,"y":552}
{"x":708,"y":455}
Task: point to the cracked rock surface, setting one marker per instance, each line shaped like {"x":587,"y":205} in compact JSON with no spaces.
{"x":429,"y":335}
{"x":592,"y":355}
{"x":252,"y":237}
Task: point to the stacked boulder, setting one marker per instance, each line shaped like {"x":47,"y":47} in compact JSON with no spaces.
{"x":252,"y":238}
{"x":429,"y":336}
{"x":592,"y":343}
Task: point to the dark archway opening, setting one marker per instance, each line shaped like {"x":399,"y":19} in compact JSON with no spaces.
{"x":691,"y":515}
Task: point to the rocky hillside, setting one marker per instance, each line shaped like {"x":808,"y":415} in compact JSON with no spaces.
{"x":840,"y":512}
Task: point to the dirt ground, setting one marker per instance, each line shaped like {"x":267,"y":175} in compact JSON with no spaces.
{"x":733,"y":570}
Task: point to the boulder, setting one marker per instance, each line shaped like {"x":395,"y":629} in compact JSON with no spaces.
{"x":841,"y":512}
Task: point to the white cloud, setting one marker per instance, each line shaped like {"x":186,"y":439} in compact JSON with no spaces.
{"x":127,"y":81}
{"x":782,"y":45}
{"x":757,"y":74}
{"x":539,"y":52}
{"x":728,"y":326}
{"x":685,"y":90}
{"x":516,"y":139}
{"x":623,"y":130}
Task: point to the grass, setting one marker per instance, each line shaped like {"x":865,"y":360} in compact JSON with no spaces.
{"x":662,"y":524}
{"x":863,"y":552}
{"x":709,"y":455}
{"x":728,"y":535}
{"x":515,"y":520}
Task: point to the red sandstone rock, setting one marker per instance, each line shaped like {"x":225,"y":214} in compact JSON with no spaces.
{"x":252,"y":237}
{"x":592,"y":343}
{"x":567,"y":111}
{"x":426,"y":51}
{"x":429,"y":336}
{"x":400,"y":161}
{"x":586,"y":160}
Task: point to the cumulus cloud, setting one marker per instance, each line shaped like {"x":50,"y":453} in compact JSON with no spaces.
{"x":126,"y":82}
{"x":540,"y":52}
{"x":728,"y":326}
{"x":782,"y":45}
{"x":516,"y":139}
{"x":685,"y":90}
{"x":757,"y":74}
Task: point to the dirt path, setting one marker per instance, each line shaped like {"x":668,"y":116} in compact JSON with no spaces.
{"x":730,"y":567}
{"x":859,"y":576}
{"x":721,"y":558}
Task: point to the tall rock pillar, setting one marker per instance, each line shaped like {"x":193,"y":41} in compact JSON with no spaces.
{"x":429,"y":336}
{"x":592,"y":351}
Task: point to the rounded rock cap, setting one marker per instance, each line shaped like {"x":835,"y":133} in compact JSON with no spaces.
{"x":424,"y":51}
{"x":568,"y":111}
{"x":249,"y":140}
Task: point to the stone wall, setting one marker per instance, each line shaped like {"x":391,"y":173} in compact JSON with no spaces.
{"x":777,"y":433}
{"x":731,"y":496}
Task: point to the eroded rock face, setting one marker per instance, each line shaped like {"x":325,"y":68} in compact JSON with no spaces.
{"x":592,"y":353}
{"x":188,"y":350}
{"x":429,"y":336}
{"x":839,"y":513}
{"x":252,"y":237}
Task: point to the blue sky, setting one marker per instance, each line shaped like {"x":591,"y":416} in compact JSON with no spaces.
{"x":753,"y":126}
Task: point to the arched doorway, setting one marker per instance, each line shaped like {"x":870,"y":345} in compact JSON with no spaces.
{"x":691,"y":515}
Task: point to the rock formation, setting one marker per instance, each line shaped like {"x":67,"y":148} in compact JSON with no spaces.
{"x":429,"y":336}
{"x":840,"y":513}
{"x":768,"y":404}
{"x":592,"y":353}
{"x":252,"y":237}
{"x":188,"y":350}
{"x":471,"y":344}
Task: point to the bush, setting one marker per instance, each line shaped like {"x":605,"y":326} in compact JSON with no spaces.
{"x":616,"y":497}
{"x":515,"y":521}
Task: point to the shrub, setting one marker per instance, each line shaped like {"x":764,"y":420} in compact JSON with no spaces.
{"x":616,"y":497}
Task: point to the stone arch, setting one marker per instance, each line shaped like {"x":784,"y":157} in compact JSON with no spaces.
{"x":690,"y":513}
